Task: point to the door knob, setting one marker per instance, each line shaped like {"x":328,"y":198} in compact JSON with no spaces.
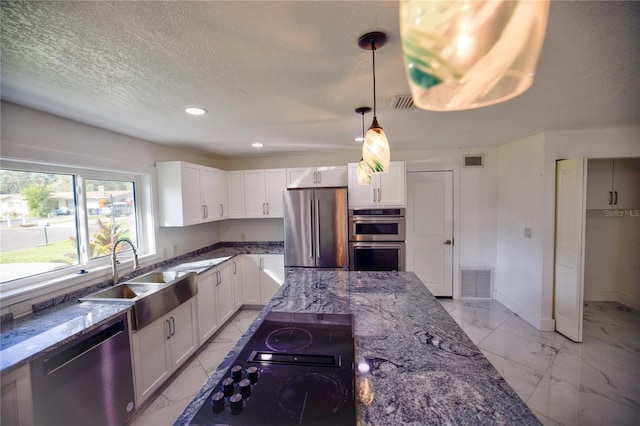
{"x":448,"y":242}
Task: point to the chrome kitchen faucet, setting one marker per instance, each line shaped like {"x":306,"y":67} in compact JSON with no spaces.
{"x":114,"y":261}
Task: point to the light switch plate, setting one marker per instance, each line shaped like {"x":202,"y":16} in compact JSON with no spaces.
{"x":527,"y":232}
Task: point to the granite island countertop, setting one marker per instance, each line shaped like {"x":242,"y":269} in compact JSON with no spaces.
{"x":60,"y":321}
{"x":423,"y":368}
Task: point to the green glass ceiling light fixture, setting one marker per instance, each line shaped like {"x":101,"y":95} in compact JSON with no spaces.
{"x":464,"y":54}
{"x":375,"y":149}
{"x":363,"y":177}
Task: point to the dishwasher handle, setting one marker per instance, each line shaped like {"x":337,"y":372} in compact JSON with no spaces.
{"x":57,"y":361}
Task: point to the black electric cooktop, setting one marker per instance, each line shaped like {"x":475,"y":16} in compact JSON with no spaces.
{"x":296,"y":369}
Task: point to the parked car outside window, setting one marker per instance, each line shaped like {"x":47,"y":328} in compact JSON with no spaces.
{"x":117,"y":210}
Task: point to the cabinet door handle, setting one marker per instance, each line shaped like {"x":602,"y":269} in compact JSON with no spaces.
{"x":379,"y":194}
{"x":262,"y":264}
{"x":318,"y":177}
{"x":221,"y":210}
{"x":610,"y":197}
{"x":374,"y":195}
{"x":317,"y":230}
{"x":267,"y":209}
{"x":263,"y":208}
{"x":615,"y":198}
{"x":168,"y":329}
{"x":235,"y":268}
{"x":173,"y":323}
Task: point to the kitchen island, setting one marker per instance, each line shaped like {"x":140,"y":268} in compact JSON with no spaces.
{"x":423,"y":369}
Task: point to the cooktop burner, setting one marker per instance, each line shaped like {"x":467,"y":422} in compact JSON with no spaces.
{"x":296,"y":369}
{"x":289,"y":339}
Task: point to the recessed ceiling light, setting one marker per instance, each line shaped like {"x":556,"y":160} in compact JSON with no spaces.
{"x":195,"y":111}
{"x":257,"y":145}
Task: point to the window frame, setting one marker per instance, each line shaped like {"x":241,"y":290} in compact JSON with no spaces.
{"x":87,"y":271}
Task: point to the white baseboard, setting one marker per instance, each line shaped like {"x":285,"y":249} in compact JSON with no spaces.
{"x":627,"y":300}
{"x":526,"y":314}
{"x":612,"y":296}
{"x":600,"y":296}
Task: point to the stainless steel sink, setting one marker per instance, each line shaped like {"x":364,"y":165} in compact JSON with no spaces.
{"x":122,"y":292}
{"x":158,"y":277}
{"x":158,"y":295}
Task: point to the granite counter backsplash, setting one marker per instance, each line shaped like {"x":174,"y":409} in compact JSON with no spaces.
{"x":56,"y":321}
{"x":423,"y":368}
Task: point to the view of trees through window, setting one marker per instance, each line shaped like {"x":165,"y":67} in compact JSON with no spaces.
{"x":41,"y":225}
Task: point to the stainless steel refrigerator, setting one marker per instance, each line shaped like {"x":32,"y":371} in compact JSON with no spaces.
{"x":315,"y":228}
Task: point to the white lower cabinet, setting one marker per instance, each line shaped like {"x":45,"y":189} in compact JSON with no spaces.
{"x":262,"y":276}
{"x":225,"y":306}
{"x":17,"y":401}
{"x":236,"y":279}
{"x":207,"y":306}
{"x":163,"y":346}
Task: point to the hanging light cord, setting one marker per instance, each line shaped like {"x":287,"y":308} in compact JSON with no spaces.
{"x":362,"y":113}
{"x":373,"y":51}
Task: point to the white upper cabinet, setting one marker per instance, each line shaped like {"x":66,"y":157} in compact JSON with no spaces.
{"x":263,"y":192}
{"x":613,"y":184}
{"x":386,"y":189}
{"x":222,"y":194}
{"x":235,"y":185}
{"x":187,"y":193}
{"x":311,"y":177}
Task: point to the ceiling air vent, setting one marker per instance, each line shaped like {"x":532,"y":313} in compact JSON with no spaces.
{"x":402,"y":102}
{"x":473,"y":161}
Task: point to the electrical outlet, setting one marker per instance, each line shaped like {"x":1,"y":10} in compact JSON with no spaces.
{"x":20,"y":309}
{"x":527,"y":232}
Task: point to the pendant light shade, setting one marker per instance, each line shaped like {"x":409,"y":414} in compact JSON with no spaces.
{"x":375,"y":149}
{"x":363,"y":176}
{"x":464,"y":54}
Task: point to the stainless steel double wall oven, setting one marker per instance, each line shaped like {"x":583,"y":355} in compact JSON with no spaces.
{"x":377,"y":239}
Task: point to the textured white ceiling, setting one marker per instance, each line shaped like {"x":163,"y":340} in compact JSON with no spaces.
{"x":290,"y":74}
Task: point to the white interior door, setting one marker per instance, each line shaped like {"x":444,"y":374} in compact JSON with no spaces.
{"x":429,"y":218}
{"x":569,"y":242}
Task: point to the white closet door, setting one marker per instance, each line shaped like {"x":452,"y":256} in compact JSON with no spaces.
{"x":569,"y":256}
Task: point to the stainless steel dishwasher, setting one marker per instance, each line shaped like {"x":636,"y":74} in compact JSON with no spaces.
{"x":88,"y":381}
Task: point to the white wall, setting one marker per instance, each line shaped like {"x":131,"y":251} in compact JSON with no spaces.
{"x":251,"y":230}
{"x":36,"y":136}
{"x":32,"y":135}
{"x":520,"y":201}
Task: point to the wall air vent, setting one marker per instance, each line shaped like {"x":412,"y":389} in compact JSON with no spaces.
{"x":474,"y":161}
{"x":476,"y":283}
{"x":402,"y":102}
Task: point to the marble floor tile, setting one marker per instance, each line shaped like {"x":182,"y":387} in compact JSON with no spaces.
{"x":522,"y":379}
{"x":574,"y":405}
{"x":187,"y":383}
{"x":525,"y":351}
{"x":165,"y":415}
{"x":212,"y":354}
{"x":519,"y":327}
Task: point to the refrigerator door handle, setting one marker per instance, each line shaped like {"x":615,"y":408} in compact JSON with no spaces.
{"x":311,"y":234}
{"x":317,"y":231}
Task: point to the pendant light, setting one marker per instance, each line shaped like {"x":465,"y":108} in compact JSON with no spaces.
{"x":464,"y":54}
{"x":364,"y":178}
{"x":375,"y":149}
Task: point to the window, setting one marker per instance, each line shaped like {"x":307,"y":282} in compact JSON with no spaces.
{"x":53,"y":220}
